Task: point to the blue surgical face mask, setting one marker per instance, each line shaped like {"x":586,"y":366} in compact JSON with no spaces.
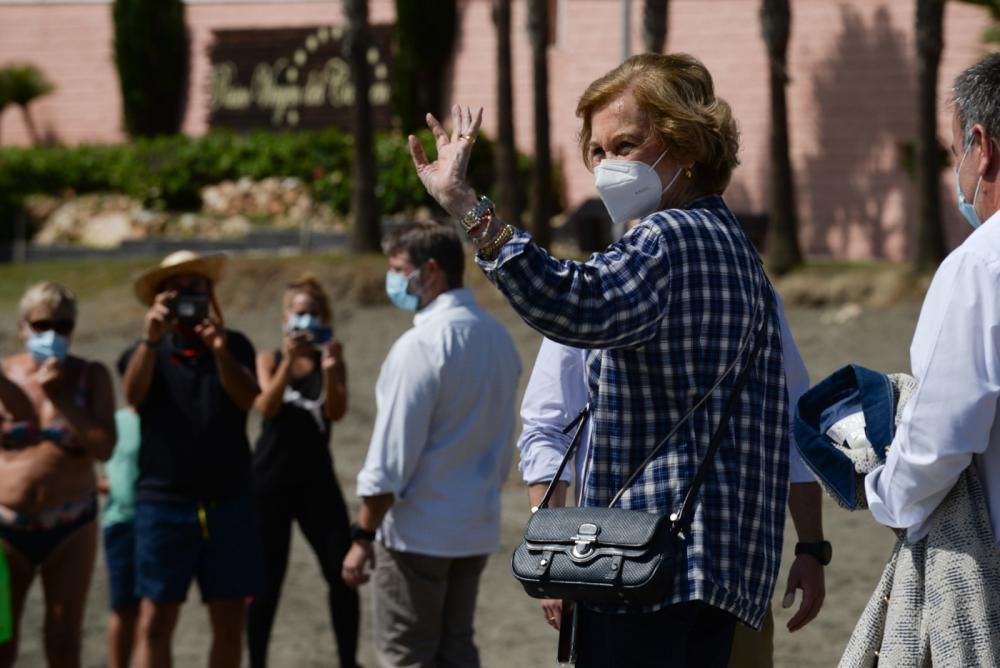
{"x":967,"y":208}
{"x":397,"y":287}
{"x":44,"y":345}
{"x":309,"y":323}
{"x":303,"y":321}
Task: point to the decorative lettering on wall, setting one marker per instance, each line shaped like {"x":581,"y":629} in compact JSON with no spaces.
{"x":292,"y":78}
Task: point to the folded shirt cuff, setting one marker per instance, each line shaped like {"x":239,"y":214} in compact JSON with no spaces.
{"x":371,"y":483}
{"x":509,"y":250}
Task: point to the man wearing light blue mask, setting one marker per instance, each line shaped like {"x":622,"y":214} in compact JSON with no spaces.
{"x":952,"y":420}
{"x":967,"y":208}
{"x":397,"y":286}
{"x":440,"y":451}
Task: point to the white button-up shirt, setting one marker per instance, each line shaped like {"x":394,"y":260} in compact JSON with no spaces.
{"x":951,"y":420}
{"x":557,"y":391}
{"x":442,"y":439}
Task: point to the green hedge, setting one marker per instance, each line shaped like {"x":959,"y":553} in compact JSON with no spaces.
{"x":168,"y":173}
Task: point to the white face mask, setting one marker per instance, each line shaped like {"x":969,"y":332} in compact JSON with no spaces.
{"x":630,"y":188}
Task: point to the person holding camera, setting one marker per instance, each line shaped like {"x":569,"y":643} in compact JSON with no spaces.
{"x":56,"y":419}
{"x":303,"y":391}
{"x":192,"y":383}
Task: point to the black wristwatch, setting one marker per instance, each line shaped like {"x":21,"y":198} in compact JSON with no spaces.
{"x":821,"y":551}
{"x":360,"y":533}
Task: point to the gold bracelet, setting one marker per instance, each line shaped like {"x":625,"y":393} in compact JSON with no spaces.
{"x":492,"y":249}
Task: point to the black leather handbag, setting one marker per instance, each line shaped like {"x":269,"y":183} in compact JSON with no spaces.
{"x":610,"y":555}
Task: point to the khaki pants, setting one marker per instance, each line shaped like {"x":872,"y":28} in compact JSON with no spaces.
{"x":753,"y":649}
{"x":424,"y":608}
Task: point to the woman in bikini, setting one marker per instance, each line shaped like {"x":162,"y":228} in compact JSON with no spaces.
{"x":303,"y":390}
{"x":57,"y":418}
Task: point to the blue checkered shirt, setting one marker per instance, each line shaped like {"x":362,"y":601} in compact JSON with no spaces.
{"x":663,"y":312}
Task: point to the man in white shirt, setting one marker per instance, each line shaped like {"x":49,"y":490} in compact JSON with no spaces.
{"x":952,"y":420}
{"x":439,"y":454}
{"x":556,"y":392}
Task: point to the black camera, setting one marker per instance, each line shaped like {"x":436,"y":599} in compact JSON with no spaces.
{"x":188,"y":309}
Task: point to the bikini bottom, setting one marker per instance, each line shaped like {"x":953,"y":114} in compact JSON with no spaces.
{"x":36,"y":535}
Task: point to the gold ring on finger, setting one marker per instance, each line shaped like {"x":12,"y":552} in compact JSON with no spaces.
{"x":467,"y":137}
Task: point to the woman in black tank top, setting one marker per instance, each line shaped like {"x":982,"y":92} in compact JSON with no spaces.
{"x":303,"y":390}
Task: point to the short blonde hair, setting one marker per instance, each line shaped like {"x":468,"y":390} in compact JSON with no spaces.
{"x":677,"y":95}
{"x":308,"y":285}
{"x":51,"y":295}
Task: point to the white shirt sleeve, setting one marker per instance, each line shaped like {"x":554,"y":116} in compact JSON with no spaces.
{"x":556,"y":392}
{"x":954,"y":356}
{"x":796,"y":384}
{"x":405,"y":395}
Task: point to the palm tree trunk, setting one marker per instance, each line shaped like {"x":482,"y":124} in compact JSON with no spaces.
{"x":930,"y":244}
{"x":541,"y":193}
{"x":783,"y":251}
{"x":29,"y":123}
{"x":654,"y":25}
{"x":508,"y":191}
{"x":367,"y":231}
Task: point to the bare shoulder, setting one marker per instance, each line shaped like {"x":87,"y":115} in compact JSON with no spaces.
{"x":265,"y":357}
{"x":18,"y":365}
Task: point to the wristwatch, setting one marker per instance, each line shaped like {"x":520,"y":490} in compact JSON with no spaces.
{"x":360,"y":533}
{"x":821,"y":551}
{"x":481,"y":213}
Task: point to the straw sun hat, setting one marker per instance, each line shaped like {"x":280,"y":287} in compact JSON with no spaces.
{"x":180,"y":263}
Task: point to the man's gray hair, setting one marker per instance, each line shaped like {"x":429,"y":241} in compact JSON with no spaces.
{"x":977,"y":97}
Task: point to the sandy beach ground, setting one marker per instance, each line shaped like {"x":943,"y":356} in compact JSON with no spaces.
{"x":510,"y":629}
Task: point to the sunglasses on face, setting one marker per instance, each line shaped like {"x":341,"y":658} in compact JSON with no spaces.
{"x":61,"y":327}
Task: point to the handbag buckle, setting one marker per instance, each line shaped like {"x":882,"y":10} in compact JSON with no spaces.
{"x":584,"y":540}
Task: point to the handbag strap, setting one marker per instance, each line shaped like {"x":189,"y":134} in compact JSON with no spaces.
{"x":682,"y":517}
{"x":579,"y":421}
{"x":737,"y":387}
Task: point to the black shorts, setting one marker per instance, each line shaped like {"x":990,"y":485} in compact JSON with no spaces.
{"x":215,"y":543}
{"x":119,"y":553}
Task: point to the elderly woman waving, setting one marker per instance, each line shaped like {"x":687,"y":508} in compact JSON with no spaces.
{"x":663,"y":313}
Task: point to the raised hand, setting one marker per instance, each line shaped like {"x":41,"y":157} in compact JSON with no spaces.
{"x":444,"y":178}
{"x":333,"y":357}
{"x":49,"y":377}
{"x":212,"y":334}
{"x":157,"y":322}
{"x":297,"y":343}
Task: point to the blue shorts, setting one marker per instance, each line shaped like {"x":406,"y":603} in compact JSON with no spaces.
{"x":119,"y":553}
{"x":216,"y":543}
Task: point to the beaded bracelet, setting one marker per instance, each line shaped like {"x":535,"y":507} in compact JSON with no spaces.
{"x":492,"y":249}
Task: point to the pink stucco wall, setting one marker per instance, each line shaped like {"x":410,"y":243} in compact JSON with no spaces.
{"x":851,"y":95}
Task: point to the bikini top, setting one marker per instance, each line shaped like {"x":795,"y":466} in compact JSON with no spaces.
{"x":17,"y":435}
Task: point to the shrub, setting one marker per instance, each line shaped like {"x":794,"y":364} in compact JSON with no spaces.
{"x":169,"y":172}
